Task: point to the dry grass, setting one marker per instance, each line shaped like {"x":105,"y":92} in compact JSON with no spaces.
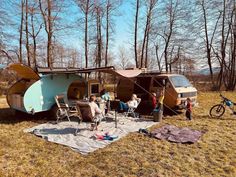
{"x":24,"y":154}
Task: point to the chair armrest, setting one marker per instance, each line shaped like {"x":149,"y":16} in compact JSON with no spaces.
{"x":63,"y":107}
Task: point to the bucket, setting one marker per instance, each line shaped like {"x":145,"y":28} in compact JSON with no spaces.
{"x":157,"y":116}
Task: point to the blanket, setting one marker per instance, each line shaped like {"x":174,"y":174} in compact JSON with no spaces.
{"x":86,"y":141}
{"x":176,"y":134}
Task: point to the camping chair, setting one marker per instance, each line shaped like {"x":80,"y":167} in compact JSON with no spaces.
{"x":131,"y":111}
{"x":86,"y":114}
{"x":65,"y":110}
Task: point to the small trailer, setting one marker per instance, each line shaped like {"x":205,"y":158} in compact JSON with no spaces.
{"x":34,"y":92}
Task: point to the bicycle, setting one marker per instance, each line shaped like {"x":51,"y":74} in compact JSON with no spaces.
{"x":218,"y":110}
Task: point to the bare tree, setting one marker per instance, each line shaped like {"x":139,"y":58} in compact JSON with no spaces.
{"x":151,"y":5}
{"x":27,"y":32}
{"x":123,"y":58}
{"x":99,"y":43}
{"x":136,"y":33}
{"x":21,"y":30}
{"x":108,"y":11}
{"x":86,"y":8}
{"x":35,"y":29}
{"x":172,"y":13}
{"x":209,"y":40}
{"x":46,"y":12}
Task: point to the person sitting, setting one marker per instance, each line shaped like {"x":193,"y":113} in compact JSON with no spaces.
{"x":95,"y":110}
{"x":106,"y":97}
{"x":133,"y":103}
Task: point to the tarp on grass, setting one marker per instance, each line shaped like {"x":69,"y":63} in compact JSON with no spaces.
{"x":85,"y":141}
{"x":175,"y":134}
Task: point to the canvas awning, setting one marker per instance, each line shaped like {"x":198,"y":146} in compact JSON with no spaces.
{"x":111,"y":70}
{"x":23,"y":71}
{"x":126,"y":73}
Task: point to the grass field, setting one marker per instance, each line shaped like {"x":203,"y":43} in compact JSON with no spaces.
{"x":24,"y":154}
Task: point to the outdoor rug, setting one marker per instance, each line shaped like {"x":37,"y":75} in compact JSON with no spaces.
{"x":85,"y":141}
{"x":176,"y":134}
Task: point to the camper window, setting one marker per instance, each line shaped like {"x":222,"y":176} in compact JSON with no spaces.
{"x":158,"y":82}
{"x":180,"y":81}
{"x":94,"y":88}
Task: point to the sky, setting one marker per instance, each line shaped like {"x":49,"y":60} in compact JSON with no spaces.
{"x":123,"y":24}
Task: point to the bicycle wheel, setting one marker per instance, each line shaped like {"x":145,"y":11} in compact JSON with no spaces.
{"x":217,"y":111}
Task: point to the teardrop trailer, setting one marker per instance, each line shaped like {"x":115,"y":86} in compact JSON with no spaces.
{"x":34,"y":92}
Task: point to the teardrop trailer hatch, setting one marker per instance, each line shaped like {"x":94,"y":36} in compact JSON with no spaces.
{"x":26,"y":77}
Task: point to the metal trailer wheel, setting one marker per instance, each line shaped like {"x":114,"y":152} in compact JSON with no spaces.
{"x":217,"y":111}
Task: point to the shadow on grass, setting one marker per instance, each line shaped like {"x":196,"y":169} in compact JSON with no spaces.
{"x":10,"y":116}
{"x":56,"y":131}
{"x":222,"y":118}
{"x":172,"y":112}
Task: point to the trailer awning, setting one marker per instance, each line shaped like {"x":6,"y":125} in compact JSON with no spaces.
{"x":126,"y":73}
{"x":110,"y":70}
{"x":23,"y":71}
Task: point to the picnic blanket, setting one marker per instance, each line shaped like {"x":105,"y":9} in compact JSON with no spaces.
{"x":176,"y":134}
{"x":86,"y":141}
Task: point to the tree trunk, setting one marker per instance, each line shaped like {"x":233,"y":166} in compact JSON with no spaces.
{"x":146,"y":50}
{"x":107,"y":32}
{"x":21,"y":31}
{"x":208,"y":47}
{"x":27,"y":32}
{"x":49,"y":35}
{"x":136,"y":34}
{"x":143,"y":45}
{"x":86,"y":33}
{"x":158,"y":59}
{"x":99,"y":37}
{"x":34,"y":41}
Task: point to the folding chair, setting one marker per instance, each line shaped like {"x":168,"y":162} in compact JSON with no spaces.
{"x":131,"y":111}
{"x":65,"y":110}
{"x":86,"y":114}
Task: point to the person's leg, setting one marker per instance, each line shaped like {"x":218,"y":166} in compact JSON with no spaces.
{"x":107,"y":107}
{"x":188,"y":115}
{"x":125,"y":107}
{"x":121,"y":105}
